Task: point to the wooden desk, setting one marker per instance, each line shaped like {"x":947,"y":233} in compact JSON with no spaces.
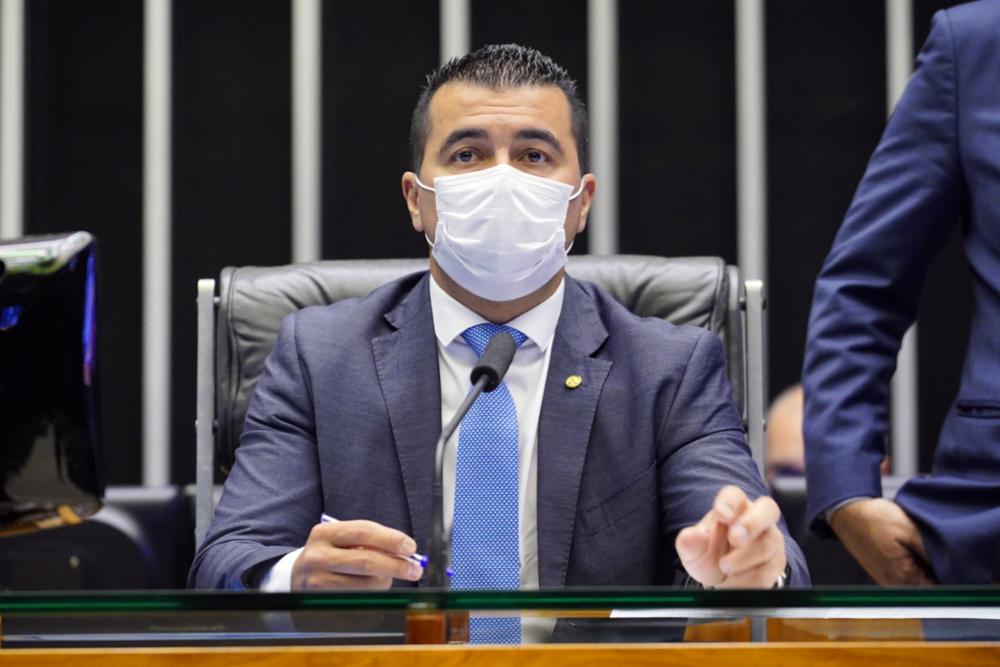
{"x":861,"y":654}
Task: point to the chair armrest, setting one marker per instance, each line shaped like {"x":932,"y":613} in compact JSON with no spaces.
{"x":756,"y":382}
{"x":205,"y":418}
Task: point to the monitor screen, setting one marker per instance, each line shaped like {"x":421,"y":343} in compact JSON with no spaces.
{"x":51,"y":470}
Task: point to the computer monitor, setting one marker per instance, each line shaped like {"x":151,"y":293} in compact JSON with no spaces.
{"x":51,"y":470}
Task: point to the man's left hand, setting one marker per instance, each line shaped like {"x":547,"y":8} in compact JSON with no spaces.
{"x":737,"y":544}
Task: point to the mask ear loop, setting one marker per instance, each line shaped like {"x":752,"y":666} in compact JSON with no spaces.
{"x":421,"y":184}
{"x":572,"y":197}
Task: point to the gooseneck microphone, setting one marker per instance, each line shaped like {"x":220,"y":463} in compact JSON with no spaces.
{"x":485,"y":377}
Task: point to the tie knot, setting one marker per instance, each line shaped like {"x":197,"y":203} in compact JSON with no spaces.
{"x":479,"y":335}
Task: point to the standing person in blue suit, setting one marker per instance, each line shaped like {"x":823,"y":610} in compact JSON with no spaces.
{"x":626,"y":463}
{"x":938,"y":161}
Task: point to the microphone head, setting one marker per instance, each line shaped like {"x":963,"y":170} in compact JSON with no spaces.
{"x":495,"y":361}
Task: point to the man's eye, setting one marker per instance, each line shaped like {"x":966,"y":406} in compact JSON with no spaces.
{"x":464,"y":156}
{"x":535,"y":157}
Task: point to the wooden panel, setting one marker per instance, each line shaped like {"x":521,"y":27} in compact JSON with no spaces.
{"x":809,"y":630}
{"x":909,"y":654}
{"x":844,"y":629}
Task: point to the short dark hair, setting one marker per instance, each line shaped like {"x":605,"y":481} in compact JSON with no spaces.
{"x":500,"y":66}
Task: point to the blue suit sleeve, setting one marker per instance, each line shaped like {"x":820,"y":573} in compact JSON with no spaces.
{"x":272,"y":496}
{"x":705,"y":448}
{"x":869,"y":288}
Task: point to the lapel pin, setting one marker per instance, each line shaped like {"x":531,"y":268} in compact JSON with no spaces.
{"x":573,"y":381}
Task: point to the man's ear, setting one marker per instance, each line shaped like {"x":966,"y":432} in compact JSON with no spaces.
{"x":589,"y":185}
{"x":411,"y":192}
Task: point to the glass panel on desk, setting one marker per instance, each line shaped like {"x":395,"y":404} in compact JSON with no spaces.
{"x":568,"y":615}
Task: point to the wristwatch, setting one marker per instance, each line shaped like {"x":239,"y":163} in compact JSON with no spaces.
{"x":782,"y":580}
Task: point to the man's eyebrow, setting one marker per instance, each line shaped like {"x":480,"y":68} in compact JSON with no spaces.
{"x":530,"y":133}
{"x":461,"y":134}
{"x":539,"y":134}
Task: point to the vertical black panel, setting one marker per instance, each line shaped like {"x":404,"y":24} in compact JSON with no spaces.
{"x":375,"y":57}
{"x":677,"y":153}
{"x":923,"y":11}
{"x":557,"y":28}
{"x":232,"y":166}
{"x":826,"y":111}
{"x":945,"y":309}
{"x":84,"y":171}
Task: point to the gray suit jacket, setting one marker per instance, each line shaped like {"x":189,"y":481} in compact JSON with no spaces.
{"x":346,"y":415}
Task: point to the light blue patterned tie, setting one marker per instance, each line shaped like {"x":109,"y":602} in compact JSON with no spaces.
{"x":484,"y":530}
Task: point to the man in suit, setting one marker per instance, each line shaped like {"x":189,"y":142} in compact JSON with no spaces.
{"x":938,"y":161}
{"x":614,"y":454}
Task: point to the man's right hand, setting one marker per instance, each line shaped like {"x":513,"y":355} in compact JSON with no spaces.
{"x":354,"y":554}
{"x":885,"y":541}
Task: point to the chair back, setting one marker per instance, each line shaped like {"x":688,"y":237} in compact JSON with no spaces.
{"x":700,"y":291}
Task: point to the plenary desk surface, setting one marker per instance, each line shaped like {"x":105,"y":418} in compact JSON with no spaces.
{"x":910,"y":654}
{"x":641,"y":626}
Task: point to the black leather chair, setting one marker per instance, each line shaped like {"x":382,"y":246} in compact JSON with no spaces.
{"x":239,"y":317}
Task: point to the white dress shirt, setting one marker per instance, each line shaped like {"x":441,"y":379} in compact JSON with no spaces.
{"x":526,"y":382}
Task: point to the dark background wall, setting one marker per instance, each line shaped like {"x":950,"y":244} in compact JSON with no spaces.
{"x":231,"y":176}
{"x":232,"y":153}
{"x":83,"y":170}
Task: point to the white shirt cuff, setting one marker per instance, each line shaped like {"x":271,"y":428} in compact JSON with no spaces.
{"x":279,"y":578}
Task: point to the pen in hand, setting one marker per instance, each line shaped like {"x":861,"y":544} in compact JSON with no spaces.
{"x":419,"y":559}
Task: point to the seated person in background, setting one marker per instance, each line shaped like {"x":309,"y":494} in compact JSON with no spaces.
{"x":612,"y":453}
{"x":785,"y":448}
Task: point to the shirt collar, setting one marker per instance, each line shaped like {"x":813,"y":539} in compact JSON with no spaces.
{"x":451,"y":317}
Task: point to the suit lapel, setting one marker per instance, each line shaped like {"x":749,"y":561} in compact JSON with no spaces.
{"x":406,"y":361}
{"x":564,"y":428}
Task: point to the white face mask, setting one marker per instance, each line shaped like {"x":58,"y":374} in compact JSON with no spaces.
{"x":500,"y":232}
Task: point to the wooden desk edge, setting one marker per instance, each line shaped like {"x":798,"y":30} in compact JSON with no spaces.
{"x":888,"y":654}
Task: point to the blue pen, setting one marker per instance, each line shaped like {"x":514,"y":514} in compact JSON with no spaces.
{"x":416,"y":558}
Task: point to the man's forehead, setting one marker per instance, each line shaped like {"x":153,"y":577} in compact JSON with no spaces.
{"x":461,"y":104}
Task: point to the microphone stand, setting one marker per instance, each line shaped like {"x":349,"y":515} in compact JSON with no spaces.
{"x":485,"y":377}
{"x":439,"y":550}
